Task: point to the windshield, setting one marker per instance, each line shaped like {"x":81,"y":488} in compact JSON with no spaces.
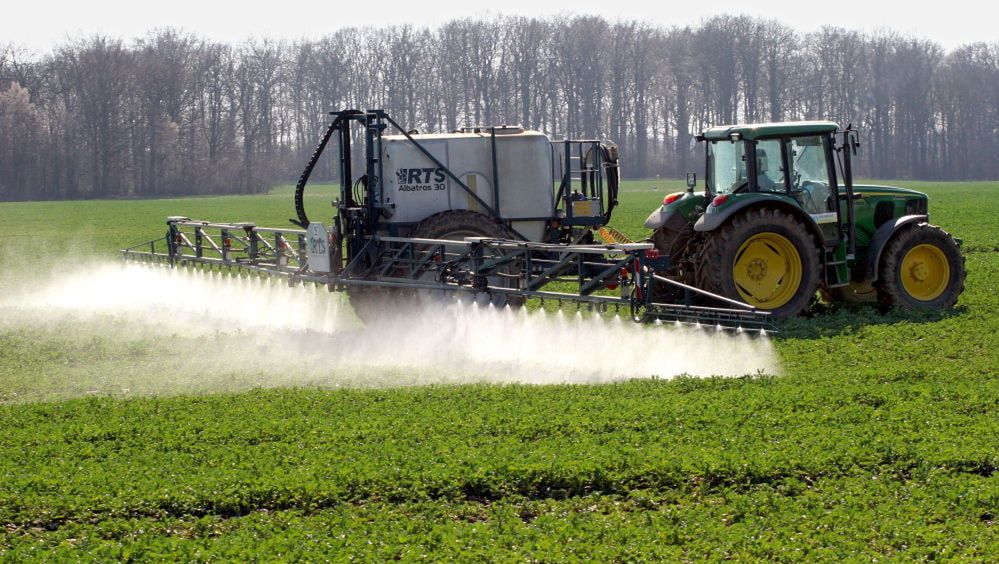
{"x":727,"y":169}
{"x":726,"y":166}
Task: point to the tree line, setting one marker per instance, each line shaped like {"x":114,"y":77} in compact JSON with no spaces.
{"x":172,"y":113}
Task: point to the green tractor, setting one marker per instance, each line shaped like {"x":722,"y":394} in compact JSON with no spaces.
{"x":780,"y":220}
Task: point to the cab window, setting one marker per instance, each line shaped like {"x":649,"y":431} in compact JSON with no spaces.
{"x":726,"y":166}
{"x":810,"y":174}
{"x":769,"y":166}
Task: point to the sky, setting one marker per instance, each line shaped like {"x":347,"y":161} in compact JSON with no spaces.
{"x":40,"y":27}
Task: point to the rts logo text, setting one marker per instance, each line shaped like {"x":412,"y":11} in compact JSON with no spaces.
{"x":421,"y":179}
{"x":419,"y":175}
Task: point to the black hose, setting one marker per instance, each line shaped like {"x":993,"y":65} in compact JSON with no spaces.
{"x":613,"y":168}
{"x":303,"y":219}
{"x":360,"y":196}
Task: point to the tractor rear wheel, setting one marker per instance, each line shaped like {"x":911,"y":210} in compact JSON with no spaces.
{"x":921,"y":268}
{"x":763,"y":257}
{"x":680,"y":246}
{"x":671,"y":242}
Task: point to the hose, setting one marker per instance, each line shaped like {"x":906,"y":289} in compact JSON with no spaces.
{"x":613,"y":169}
{"x":303,"y":219}
{"x":360,"y":196}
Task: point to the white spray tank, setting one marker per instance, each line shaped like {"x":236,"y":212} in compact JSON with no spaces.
{"x":521,"y":181}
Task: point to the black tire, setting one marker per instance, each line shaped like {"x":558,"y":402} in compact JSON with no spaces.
{"x":376,"y":303}
{"x":903,"y":264}
{"x":680,"y":246}
{"x":717,"y":260}
{"x":674,"y":243}
{"x":455,"y":225}
{"x":668,"y":241}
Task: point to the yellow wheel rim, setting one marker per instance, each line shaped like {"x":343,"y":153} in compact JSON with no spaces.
{"x":925,"y":272}
{"x":767,"y":270}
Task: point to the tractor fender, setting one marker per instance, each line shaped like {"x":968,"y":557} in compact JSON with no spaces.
{"x":675,"y":213}
{"x":713,"y":218}
{"x":670,"y":220}
{"x":659,"y":217}
{"x":880,"y":240}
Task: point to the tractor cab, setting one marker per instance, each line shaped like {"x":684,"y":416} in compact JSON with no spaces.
{"x":790,"y":161}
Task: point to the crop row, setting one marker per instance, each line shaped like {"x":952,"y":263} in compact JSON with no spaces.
{"x":937,"y":515}
{"x":289,"y":449}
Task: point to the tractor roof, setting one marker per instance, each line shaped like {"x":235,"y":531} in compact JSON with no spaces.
{"x":760,"y":130}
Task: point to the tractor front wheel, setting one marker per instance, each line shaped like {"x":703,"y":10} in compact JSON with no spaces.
{"x":921,"y":268}
{"x":765,"y":258}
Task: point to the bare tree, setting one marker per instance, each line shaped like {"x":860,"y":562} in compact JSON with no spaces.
{"x":170,"y":113}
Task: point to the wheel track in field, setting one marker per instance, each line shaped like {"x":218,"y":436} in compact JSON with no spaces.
{"x":531,"y":487}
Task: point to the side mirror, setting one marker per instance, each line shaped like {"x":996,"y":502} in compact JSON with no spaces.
{"x":691,"y":181}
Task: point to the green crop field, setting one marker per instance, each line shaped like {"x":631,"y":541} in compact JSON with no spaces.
{"x":879,"y":438}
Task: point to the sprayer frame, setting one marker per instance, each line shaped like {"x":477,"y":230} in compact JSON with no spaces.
{"x":377,"y":260}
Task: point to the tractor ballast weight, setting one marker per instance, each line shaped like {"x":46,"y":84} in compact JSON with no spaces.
{"x":781,"y":218}
{"x":498,"y":214}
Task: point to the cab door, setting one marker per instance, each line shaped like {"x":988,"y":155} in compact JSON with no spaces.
{"x":812,"y":182}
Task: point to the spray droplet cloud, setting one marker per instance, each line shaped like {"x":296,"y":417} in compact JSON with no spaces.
{"x":213,"y":331}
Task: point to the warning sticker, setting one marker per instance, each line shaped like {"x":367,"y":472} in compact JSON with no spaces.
{"x":828,"y":217}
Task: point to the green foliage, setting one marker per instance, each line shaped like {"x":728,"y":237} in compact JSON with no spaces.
{"x":879,"y":439}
